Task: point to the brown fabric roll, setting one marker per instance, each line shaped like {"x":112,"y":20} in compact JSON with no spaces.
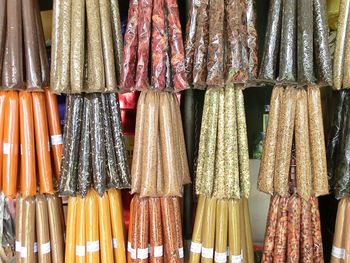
{"x":293,"y":250}
{"x":28,"y":230}
{"x":306,"y":240}
{"x":169,"y":232}
{"x":316,"y":230}
{"x":156,"y":230}
{"x":56,"y":35}
{"x":117,"y":39}
{"x":19,"y":229}
{"x":338,"y":232}
{"x":42,"y":229}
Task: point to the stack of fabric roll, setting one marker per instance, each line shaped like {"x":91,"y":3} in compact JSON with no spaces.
{"x":86,"y":64}
{"x":30,"y":134}
{"x":153,"y":40}
{"x":221,"y":55}
{"x":296,"y":59}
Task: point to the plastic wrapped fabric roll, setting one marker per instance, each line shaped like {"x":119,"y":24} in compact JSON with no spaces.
{"x":55,"y":42}
{"x":97,"y":146}
{"x":136,"y":168}
{"x":323,"y":56}
{"x":130,"y":47}
{"x":56,"y":228}
{"x":346,"y":72}
{"x":316,"y":230}
{"x":208,"y":232}
{"x":142,"y":231}
{"x":119,"y":143}
{"x":26,"y":119}
{"x":28,"y":230}
{"x":3,"y":19}
{"x":232,"y":189}
{"x":288,"y":52}
{"x":42,"y":143}
{"x":201,"y":46}
{"x":132,"y":233}
{"x":221,"y":231}
{"x":111,"y":160}
{"x":72,"y":224}
{"x":305,"y":43}
{"x":196,"y":243}
{"x":92,"y":228}
{"x":19,"y":228}
{"x":106,"y":241}
{"x":284,"y":140}
{"x":234,"y":231}
{"x":252,"y":41}
{"x":178,"y":228}
{"x":244,"y":250}
{"x":318,"y":148}
{"x":77,"y":46}
{"x":270,"y":232}
{"x":293,"y":228}
{"x":118,"y":227}
{"x":338,"y":232}
{"x":31,"y":46}
{"x":269,"y":155}
{"x":156,"y":237}
{"x":80,"y":234}
{"x":338,"y":65}
{"x":244,"y":42}
{"x":117,"y":39}
{"x":169,"y":231}
{"x":346,"y":229}
{"x":243,"y":153}
{"x":306,"y":241}
{"x":10,"y":144}
{"x":169,"y":86}
{"x":248,"y":231}
{"x":281,"y":235}
{"x":3,"y":96}
{"x":302,"y":146}
{"x":272,"y":39}
{"x":55,"y":130}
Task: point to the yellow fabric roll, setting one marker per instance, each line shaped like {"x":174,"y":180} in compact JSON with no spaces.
{"x":234,"y":238}
{"x":221,"y":231}
{"x":92,"y":230}
{"x":208,"y":232}
{"x":71,"y":225}
{"x":80,"y":238}
{"x":19,"y":216}
{"x":28,"y":230}
{"x":248,"y":231}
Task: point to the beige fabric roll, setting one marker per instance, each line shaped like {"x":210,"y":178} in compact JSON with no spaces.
{"x":28,"y":230}
{"x":42,"y":229}
{"x":208,"y":232}
{"x":19,"y":216}
{"x":234,"y":230}
{"x":338,"y":250}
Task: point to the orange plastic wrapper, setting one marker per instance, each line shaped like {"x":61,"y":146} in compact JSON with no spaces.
{"x":130,"y":230}
{"x":71,"y":228}
{"x":91,"y":230}
{"x":142,"y":230}
{"x":169,"y":231}
{"x":19,"y":219}
{"x":2,"y":120}
{"x":28,"y":230}
{"x":293,"y":228}
{"x":118,"y":228}
{"x":156,"y":238}
{"x":306,"y":240}
{"x":316,"y":230}
{"x":55,"y":130}
{"x":178,"y":228}
{"x":105,"y":229}
{"x":80,"y":254}
{"x":26,"y":118}
{"x":42,"y":229}
{"x":42,"y":143}
{"x":10,"y":144}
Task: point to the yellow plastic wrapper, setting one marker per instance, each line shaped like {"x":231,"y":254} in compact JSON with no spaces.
{"x":80,"y":237}
{"x":71,"y":228}
{"x":234,"y":232}
{"x":118,"y":228}
{"x":91,"y":228}
{"x":196,"y":243}
{"x":333,"y":11}
{"x":208,"y":231}
{"x":19,"y":216}
{"x":105,"y":229}
{"x":248,"y":231}
{"x":42,"y":230}
{"x":243,"y":234}
{"x":28,"y":230}
{"x":221,"y":231}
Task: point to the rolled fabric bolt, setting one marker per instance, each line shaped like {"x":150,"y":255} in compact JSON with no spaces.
{"x":272,"y":40}
{"x":3,"y":19}
{"x":91,"y":228}
{"x":160,"y":171}
{"x":269,"y":155}
{"x":28,"y":230}
{"x":169,"y":232}
{"x":346,"y":59}
{"x":234,"y":233}
{"x":306,"y":242}
{"x":117,"y":39}
{"x":130,"y":230}
{"x":10,"y":144}
{"x":77,"y":47}
{"x":220,"y":254}
{"x":80,"y":231}
{"x":169,"y":85}
{"x":26,"y":119}
{"x":178,"y":228}
{"x":316,"y":230}
{"x":134,"y":230}
{"x":280,"y":243}
{"x":55,"y":130}
{"x":346,"y":229}
{"x":342,"y":29}
{"x":55,"y":42}
{"x":3,"y":96}
{"x":252,"y":41}
{"x":244,"y":42}
{"x":142,"y":231}
{"x":105,"y":229}
{"x":243,"y":234}
{"x":248,"y":231}
{"x":338,"y":252}
{"x":72,"y":224}
{"x":118,"y":227}
{"x":156,"y":237}
{"x":196,"y":243}
{"x":42,"y":143}
{"x":19,"y":228}
{"x":293,"y":229}
{"x":208,"y":234}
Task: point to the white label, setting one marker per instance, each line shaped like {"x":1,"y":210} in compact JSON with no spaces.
{"x":45,"y":248}
{"x":35,"y":247}
{"x":6,"y":148}
{"x":80,"y":251}
{"x":20,"y":149}
{"x":56,"y":139}
{"x":23,"y":252}
{"x":158,"y":251}
{"x":142,"y":253}
{"x":133,"y":253}
{"x":237,"y":259}
{"x":129,"y":246}
{"x":18,"y":246}
{"x":114,"y":243}
{"x":338,"y":252}
{"x":207,"y":252}
{"x":196,"y":247}
{"x":93,"y":246}
{"x":220,"y":257}
{"x":181,"y":252}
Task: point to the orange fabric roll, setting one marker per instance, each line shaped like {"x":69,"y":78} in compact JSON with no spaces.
{"x":26,"y":120}
{"x":134,"y":230}
{"x":80,"y":240}
{"x":118,"y":227}
{"x":130,"y":232}
{"x":71,"y":225}
{"x":55,"y":130}
{"x":105,"y":229}
{"x":91,"y":230}
{"x":10,"y":144}
{"x":42,"y":143}
{"x":142,"y":231}
{"x":2,"y":119}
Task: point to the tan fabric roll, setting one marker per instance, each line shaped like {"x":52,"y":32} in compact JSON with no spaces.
{"x":243,"y":234}
{"x":19,"y":221}
{"x":28,"y":230}
{"x":346,"y":231}
{"x":208,"y":232}
{"x":234,"y":236}
{"x":220,"y":254}
{"x":248,"y":231}
{"x":42,"y":230}
{"x":71,"y":226}
{"x":338,"y":252}
{"x":80,"y":238}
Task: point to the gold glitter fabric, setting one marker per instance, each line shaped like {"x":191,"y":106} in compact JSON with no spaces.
{"x":266,"y":173}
